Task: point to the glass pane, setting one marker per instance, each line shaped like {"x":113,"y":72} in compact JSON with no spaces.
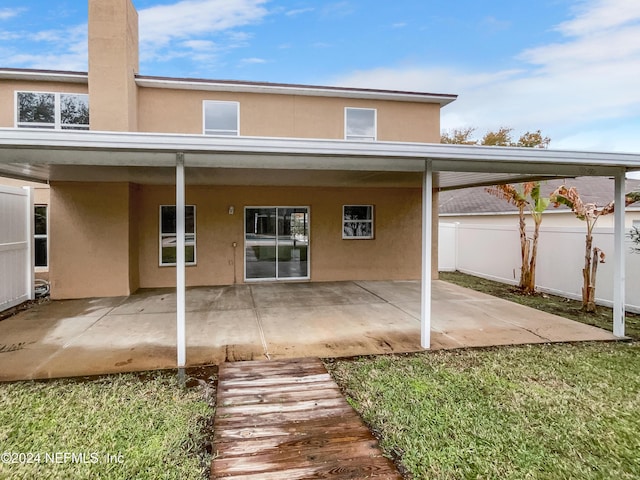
{"x":40,"y":248}
{"x":189,"y":219}
{"x":260,"y":242}
{"x":169,"y":254}
{"x":168,"y":219}
{"x":361,"y":123}
{"x":36,"y":107}
{"x":357,"y":229}
{"x":358,"y":212}
{"x":40,"y":227}
{"x":293,"y":231}
{"x":74,"y":109}
{"x":221,"y":118}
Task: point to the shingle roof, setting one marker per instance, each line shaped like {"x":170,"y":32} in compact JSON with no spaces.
{"x":598,"y":190}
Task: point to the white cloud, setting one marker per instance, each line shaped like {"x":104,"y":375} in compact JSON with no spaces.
{"x":252,"y":61}
{"x":192,"y":18}
{"x":7,"y":13}
{"x":66,"y":50}
{"x":184,"y":29}
{"x":593,"y":16}
{"x":577,"y":91}
{"x":298,"y":11}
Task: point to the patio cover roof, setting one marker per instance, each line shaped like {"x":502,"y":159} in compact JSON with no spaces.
{"x":161,"y":158}
{"x":44,"y":155}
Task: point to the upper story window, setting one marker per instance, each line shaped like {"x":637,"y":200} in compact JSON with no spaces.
{"x":66,"y":111}
{"x":221,"y":118}
{"x":360,"y":124}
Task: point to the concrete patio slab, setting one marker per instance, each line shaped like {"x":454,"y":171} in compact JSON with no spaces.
{"x":342,"y":330}
{"x":264,"y":321}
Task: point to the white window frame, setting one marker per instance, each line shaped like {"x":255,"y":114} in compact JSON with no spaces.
{"x":41,"y":268}
{"x":217,"y":132}
{"x":187,"y":243}
{"x":371,"y":221}
{"x":57,"y":123}
{"x":360,"y":137}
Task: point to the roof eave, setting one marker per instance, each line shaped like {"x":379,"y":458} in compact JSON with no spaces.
{"x":285,"y":89}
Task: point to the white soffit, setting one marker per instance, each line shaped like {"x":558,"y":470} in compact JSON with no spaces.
{"x":459,"y":165}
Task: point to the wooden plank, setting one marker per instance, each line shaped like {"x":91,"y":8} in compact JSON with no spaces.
{"x":280,"y":418}
{"x":264,"y":381}
{"x":333,"y":472}
{"x":279,"y":397}
{"x":288,"y":420}
{"x":296,"y":440}
{"x":261,"y":408}
{"x":298,"y":370}
{"x":337,"y":427}
{"x":271,"y":363}
{"x":335,"y":467}
{"x":255,"y":390}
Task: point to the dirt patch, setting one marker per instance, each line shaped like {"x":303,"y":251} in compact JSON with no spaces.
{"x":10,"y":312}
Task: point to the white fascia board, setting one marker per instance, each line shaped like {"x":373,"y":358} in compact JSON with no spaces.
{"x":302,"y":90}
{"x":45,"y":76}
{"x":445,"y":157}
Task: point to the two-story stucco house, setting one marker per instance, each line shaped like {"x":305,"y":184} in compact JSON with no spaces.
{"x":278,"y":182}
{"x":113,"y":229}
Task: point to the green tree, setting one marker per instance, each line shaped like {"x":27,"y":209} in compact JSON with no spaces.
{"x":459,"y":136}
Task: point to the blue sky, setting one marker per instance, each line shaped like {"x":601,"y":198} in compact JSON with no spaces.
{"x":568,"y":67}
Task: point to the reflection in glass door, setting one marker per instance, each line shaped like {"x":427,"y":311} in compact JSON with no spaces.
{"x":276,"y":243}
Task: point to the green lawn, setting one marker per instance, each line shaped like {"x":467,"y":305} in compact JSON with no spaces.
{"x":116,"y":427}
{"x":543,"y":411}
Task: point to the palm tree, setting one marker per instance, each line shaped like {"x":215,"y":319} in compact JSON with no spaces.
{"x":589,"y":213}
{"x":527,"y":196}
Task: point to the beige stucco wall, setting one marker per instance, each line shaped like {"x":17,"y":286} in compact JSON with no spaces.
{"x":391,"y":255}
{"x":181,"y":111}
{"x":9,"y":87}
{"x":89,"y":248}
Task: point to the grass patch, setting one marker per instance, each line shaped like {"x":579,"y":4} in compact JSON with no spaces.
{"x":561,"y":306}
{"x":543,"y":411}
{"x":150,"y":426}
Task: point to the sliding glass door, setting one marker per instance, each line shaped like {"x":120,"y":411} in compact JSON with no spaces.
{"x":276,"y":243}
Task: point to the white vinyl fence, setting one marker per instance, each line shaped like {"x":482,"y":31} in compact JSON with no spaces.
{"x":16,"y":257}
{"x":493,"y":252}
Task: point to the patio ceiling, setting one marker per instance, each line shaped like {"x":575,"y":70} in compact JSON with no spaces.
{"x":110,"y":156}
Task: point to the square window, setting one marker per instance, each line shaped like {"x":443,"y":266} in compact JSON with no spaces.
{"x":357,"y":222}
{"x":168,"y":238}
{"x":360,"y":124}
{"x":221,"y":118}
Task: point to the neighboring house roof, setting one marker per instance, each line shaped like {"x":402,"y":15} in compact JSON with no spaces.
{"x":237,"y":86}
{"x":476,"y":200}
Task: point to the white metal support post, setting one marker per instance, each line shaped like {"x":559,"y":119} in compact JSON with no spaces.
{"x":181,"y":346}
{"x":619,"y":252}
{"x":427,"y":216}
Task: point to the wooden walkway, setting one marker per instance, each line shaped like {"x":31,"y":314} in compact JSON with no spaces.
{"x":288,"y":420}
